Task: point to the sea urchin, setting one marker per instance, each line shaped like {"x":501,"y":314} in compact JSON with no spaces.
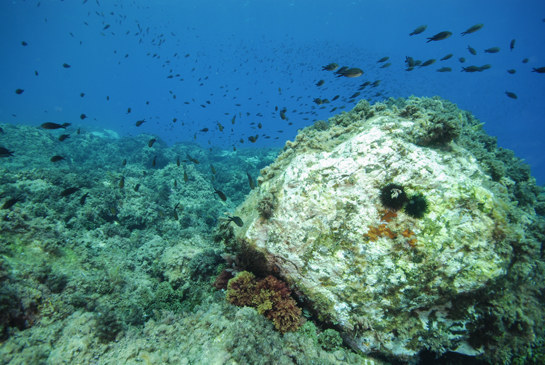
{"x":392,"y":196}
{"x":417,"y":206}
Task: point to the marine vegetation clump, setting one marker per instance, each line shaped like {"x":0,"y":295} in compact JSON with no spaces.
{"x":265,"y":207}
{"x":417,"y":206}
{"x":108,"y":325}
{"x":393,"y":196}
{"x":330,"y":339}
{"x":270,"y":296}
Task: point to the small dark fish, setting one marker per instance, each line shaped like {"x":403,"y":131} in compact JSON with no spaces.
{"x":4,"y":152}
{"x":204,"y":130}
{"x":56,"y":158}
{"x":383,"y":59}
{"x":473,"y":29}
{"x":237,"y":221}
{"x":250,"y":181}
{"x":512,"y":71}
{"x":352,"y":72}
{"x":318,"y":101}
{"x":512,"y":45}
{"x":525,"y":60}
{"x":78,"y":131}
{"x":374,"y":84}
{"x":472,"y":50}
{"x":68,"y":192}
{"x":124,"y":162}
{"x":63,"y":137}
{"x":213,"y":169}
{"x":176,"y":213}
{"x":52,"y":126}
{"x":178,"y":161}
{"x":335,"y":97}
{"x":428,"y":62}
{"x":136,"y":187}
{"x":151,"y":142}
{"x":154,"y":161}
{"x":194,"y":160}
{"x":511,"y":95}
{"x":10,"y":203}
{"x":330,"y":67}
{"x":444,"y":69}
{"x":356,"y":94}
{"x":174,"y":120}
{"x":417,"y":63}
{"x":36,"y":73}
{"x":419,"y":30}
{"x":320,"y":83}
{"x":447,"y":57}
{"x":106,"y":27}
{"x":107,"y":97}
{"x":82,"y":95}
{"x":485,"y":67}
{"x":471,"y":69}
{"x":440,"y":36}
{"x":220,"y":127}
{"x":24,"y":43}
{"x":252,"y":139}
{"x":462,"y":59}
{"x":185,"y":176}
{"x":1,"y":131}
{"x":19,"y":91}
{"x":128,"y":111}
{"x":282,"y":115}
{"x":409,"y":61}
{"x":539,"y":70}
{"x":492,"y":50}
{"x":82,"y":117}
{"x":82,"y":199}
{"x":220,"y":194}
{"x":139,"y":122}
{"x":259,"y":125}
{"x":65,"y":65}
{"x":175,"y":183}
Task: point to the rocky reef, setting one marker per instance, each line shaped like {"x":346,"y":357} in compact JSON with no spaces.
{"x":463,"y":275}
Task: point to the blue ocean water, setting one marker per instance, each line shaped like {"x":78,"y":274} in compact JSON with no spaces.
{"x":244,"y":58}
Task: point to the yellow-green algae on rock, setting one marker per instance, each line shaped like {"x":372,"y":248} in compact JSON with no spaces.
{"x":390,"y":282}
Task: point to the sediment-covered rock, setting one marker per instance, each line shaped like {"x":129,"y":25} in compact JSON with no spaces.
{"x":392,"y":282}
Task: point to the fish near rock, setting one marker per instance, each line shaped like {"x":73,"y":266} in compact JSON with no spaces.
{"x":511,"y":95}
{"x":539,"y":70}
{"x":53,"y":126}
{"x":68,"y":192}
{"x":4,"y":152}
{"x":220,"y":194}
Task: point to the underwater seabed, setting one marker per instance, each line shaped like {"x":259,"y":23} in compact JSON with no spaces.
{"x":140,"y":264}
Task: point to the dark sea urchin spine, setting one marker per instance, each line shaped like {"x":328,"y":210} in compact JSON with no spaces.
{"x":417,"y":206}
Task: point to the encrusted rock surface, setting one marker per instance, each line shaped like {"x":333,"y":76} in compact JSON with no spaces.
{"x":392,"y":283}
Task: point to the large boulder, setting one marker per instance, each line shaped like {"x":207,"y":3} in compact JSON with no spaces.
{"x":391,"y":280}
